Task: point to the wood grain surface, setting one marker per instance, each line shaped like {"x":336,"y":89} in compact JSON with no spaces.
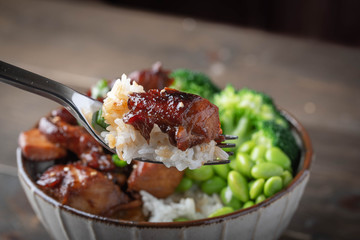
{"x":79,"y":42}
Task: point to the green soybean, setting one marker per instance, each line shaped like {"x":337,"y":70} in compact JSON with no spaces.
{"x":248,"y":204}
{"x":276,"y":155}
{"x":260,"y":160}
{"x":266,"y":170}
{"x":200,"y":174}
{"x":232,"y":164}
{"x":238,"y":186}
{"x":260,"y":198}
{"x":221,"y":211}
{"x":256,"y":188}
{"x":272,"y":186}
{"x":244,"y":164}
{"x":222,"y":170}
{"x":286,"y":177}
{"x":184,"y":185}
{"x":247,"y":146}
{"x":228,"y":199}
{"x":258,"y":152}
{"x":250,"y":183}
{"x":213,"y":185}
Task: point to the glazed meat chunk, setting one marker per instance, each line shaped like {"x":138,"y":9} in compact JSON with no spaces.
{"x":77,"y":140}
{"x":188,"y":119}
{"x":154,"y":78}
{"x":156,"y":179}
{"x":64,"y":115}
{"x":83,"y":188}
{"x":35,"y":146}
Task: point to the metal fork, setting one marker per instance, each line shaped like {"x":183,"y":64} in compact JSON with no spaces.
{"x":78,"y":104}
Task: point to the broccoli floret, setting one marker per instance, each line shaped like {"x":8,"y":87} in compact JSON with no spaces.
{"x":232,"y":120}
{"x":243,"y":111}
{"x":259,"y":107}
{"x":194,"y":82}
{"x":272,"y":134}
{"x":100,"y":89}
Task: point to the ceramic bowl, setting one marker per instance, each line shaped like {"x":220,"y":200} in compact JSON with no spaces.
{"x":266,"y":220}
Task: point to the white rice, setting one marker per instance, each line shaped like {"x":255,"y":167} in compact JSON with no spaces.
{"x":130,"y":144}
{"x":194,"y":205}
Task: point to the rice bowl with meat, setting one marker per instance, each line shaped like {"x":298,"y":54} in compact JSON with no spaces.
{"x":138,"y":192}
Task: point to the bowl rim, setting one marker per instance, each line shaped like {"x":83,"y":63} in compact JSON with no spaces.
{"x":307,"y":156}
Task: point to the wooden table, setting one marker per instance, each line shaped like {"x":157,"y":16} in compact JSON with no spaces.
{"x":78,"y":42}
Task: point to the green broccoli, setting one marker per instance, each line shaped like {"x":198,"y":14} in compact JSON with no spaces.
{"x":272,"y":134}
{"x":194,"y":82}
{"x":100,"y":89}
{"x":259,"y":107}
{"x":242,"y":112}
{"x":232,"y":119}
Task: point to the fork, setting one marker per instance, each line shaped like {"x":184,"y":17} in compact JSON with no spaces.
{"x":78,"y":104}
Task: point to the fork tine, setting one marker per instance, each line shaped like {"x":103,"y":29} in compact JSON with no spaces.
{"x":230,"y":153}
{"x":226,"y":145}
{"x":229,"y":137}
{"x":147,"y":160}
{"x":216,"y":162}
{"x":213,"y":162}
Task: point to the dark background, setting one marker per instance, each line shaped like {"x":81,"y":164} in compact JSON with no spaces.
{"x":328,"y":20}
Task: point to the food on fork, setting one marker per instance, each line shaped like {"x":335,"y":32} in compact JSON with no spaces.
{"x":188,"y":119}
{"x":176,"y":128}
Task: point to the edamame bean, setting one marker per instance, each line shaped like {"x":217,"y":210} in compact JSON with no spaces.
{"x":247,"y":146}
{"x":213,"y":185}
{"x":200,"y":174}
{"x":260,"y":198}
{"x":184,"y":185}
{"x":238,"y":186}
{"x":222,"y":170}
{"x":251,"y":183}
{"x":287,"y":178}
{"x":244,"y":164}
{"x":221,"y":211}
{"x":260,"y":160}
{"x":276,"y":155}
{"x":256,"y":188}
{"x":228,"y":198}
{"x":258,"y":152}
{"x":266,"y":170}
{"x":272,"y":186}
{"x":232,"y":164}
{"x":248,"y":204}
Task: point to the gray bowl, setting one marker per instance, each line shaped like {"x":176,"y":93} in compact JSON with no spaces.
{"x":266,"y":220}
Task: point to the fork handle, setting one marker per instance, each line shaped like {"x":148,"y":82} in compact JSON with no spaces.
{"x":35,"y":83}
{"x":75,"y":102}
{"x":31,"y":82}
